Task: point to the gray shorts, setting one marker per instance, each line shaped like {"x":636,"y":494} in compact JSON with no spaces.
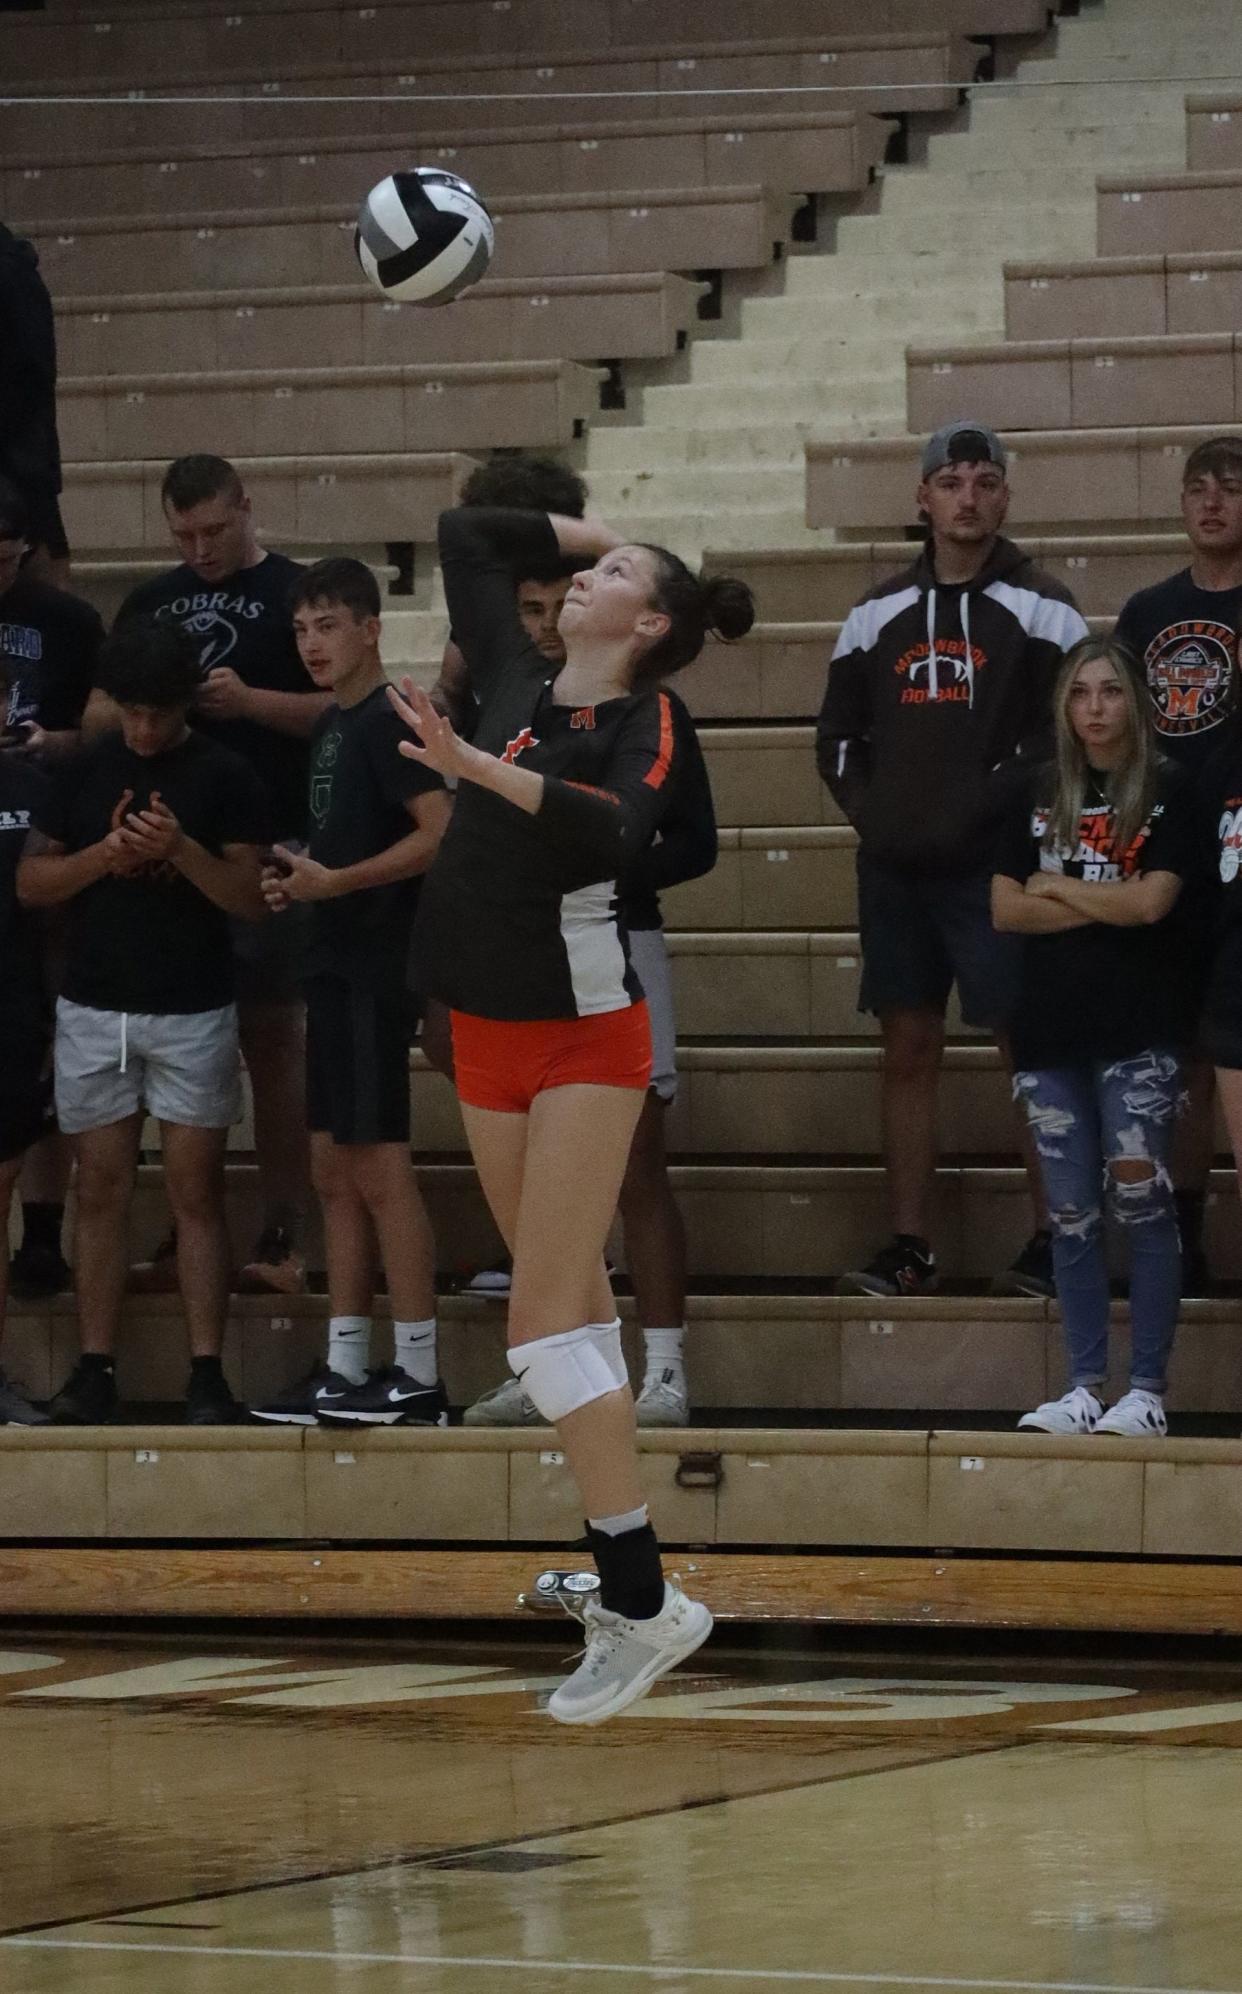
{"x":649,"y":955}
{"x":181,"y":1067}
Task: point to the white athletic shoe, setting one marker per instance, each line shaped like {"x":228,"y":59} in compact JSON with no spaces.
{"x":1137,"y":1416}
{"x":505,"y":1405}
{"x":1078,"y":1412}
{"x":624,"y":1657}
{"x":663,"y":1401}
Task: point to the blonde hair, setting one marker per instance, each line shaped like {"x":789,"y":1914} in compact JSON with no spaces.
{"x":1132,"y":784}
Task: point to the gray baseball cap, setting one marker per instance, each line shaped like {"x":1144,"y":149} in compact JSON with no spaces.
{"x":963,"y":443}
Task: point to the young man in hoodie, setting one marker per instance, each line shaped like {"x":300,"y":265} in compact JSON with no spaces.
{"x":939,"y":678}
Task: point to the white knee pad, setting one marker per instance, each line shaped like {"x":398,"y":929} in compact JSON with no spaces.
{"x":561,"y":1374}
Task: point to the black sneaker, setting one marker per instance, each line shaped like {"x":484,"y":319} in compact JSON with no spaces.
{"x":300,"y":1403}
{"x":209,"y":1400}
{"x":87,"y":1397}
{"x":1031,"y":1273}
{"x":15,"y":1410}
{"x":36,"y":1272}
{"x":389,"y":1397}
{"x":907,"y":1267}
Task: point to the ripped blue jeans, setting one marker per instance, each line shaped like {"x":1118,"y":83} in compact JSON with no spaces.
{"x":1107,"y":1129}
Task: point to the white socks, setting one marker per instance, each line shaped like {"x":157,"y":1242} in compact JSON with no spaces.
{"x":414,"y":1346}
{"x":664,"y":1353}
{"x":616,"y":1526}
{"x":349,"y":1346}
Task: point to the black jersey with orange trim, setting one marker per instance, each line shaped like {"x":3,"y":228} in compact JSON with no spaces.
{"x":518,"y":916}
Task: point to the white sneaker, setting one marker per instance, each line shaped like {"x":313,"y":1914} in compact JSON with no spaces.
{"x":663,"y":1401}
{"x":624,"y":1657}
{"x":506,"y":1405}
{"x":1139,"y":1416}
{"x":1078,"y":1412}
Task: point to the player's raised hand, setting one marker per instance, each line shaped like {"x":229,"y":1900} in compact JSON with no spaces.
{"x":437,"y":743}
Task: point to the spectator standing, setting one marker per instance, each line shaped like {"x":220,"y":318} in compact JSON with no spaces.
{"x":29,"y":445}
{"x":49,"y":645}
{"x":152,"y":839}
{"x":1185,"y":632}
{"x":940,"y":675}
{"x":232,"y":598}
{"x":1089,"y":868}
{"x":376,"y":820}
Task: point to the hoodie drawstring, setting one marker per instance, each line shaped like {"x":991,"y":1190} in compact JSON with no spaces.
{"x":933,"y":669}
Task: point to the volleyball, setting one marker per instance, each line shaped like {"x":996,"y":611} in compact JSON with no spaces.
{"x":423,"y":236}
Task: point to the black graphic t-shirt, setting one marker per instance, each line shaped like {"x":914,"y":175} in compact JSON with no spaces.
{"x":359,"y":788}
{"x":1186,"y":639}
{"x":49,"y":643}
{"x":244,"y":623}
{"x":23,"y":1006}
{"x":1102,"y":992}
{"x":152,"y":942}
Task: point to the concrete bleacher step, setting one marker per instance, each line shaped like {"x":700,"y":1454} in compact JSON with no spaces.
{"x":798,"y":584}
{"x":1076,"y":383}
{"x":752,"y":1221}
{"x":479,"y":405}
{"x":648,"y":315}
{"x":758,"y":1485}
{"x":794,"y":876}
{"x":822,"y":150}
{"x":1127,"y":477}
{"x":1124,"y":296}
{"x":311,"y":500}
{"x":572,"y":235}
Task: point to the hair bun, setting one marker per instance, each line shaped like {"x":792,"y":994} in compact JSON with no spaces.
{"x":728,"y":606}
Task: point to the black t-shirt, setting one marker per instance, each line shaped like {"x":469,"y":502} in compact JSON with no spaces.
{"x":23,"y":1007}
{"x":246,"y":624}
{"x":1186,"y":639}
{"x":1101,"y":992}
{"x":49,"y":642}
{"x":152,"y":942}
{"x":359,"y":788}
{"x":1222,"y":810}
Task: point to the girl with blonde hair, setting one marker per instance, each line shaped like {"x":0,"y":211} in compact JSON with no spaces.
{"x":1089,"y":871}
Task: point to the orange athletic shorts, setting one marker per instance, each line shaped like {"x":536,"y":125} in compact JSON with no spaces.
{"x":503,"y":1063}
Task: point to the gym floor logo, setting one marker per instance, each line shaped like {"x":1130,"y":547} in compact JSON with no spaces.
{"x":1190,"y":675}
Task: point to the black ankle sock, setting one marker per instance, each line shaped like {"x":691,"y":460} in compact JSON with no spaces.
{"x":41,"y":1224}
{"x":1189,"y":1206}
{"x":631,"y":1578}
{"x":205,"y":1367}
{"x":94,"y":1360}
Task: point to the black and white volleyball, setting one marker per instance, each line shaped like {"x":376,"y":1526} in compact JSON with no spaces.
{"x":423,"y":236}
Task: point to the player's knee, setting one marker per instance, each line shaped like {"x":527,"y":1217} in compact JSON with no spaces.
{"x":561,"y":1374}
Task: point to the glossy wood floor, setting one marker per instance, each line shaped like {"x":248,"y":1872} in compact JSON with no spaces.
{"x":187,"y":1816}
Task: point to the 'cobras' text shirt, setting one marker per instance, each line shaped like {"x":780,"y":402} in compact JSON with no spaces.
{"x":1101,"y":992}
{"x":49,"y":645}
{"x":518,"y":915}
{"x":1186,"y":640}
{"x":246,"y":624}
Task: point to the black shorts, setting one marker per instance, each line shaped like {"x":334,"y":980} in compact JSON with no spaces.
{"x":26,"y":1113}
{"x":922,"y":933}
{"x":358,"y":1061}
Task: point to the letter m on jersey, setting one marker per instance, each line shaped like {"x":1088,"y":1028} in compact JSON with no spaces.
{"x":523,"y":740}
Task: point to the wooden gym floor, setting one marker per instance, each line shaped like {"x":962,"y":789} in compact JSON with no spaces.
{"x":203,"y":1815}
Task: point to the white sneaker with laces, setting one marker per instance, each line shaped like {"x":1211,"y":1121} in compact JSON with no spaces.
{"x":1078,"y":1412}
{"x":624,"y":1657}
{"x":1137,"y":1416}
{"x":505,"y":1405}
{"x":663,"y":1401}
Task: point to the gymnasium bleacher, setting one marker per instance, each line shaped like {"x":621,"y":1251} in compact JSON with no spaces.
{"x":738,"y":315}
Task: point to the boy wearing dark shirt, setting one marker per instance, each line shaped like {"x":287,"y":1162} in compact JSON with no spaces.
{"x":1184,"y":633}
{"x":151,"y":838}
{"x":25,"y":1079}
{"x":376,"y":820}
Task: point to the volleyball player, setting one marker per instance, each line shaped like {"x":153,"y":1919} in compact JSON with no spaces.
{"x":564,"y":784}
